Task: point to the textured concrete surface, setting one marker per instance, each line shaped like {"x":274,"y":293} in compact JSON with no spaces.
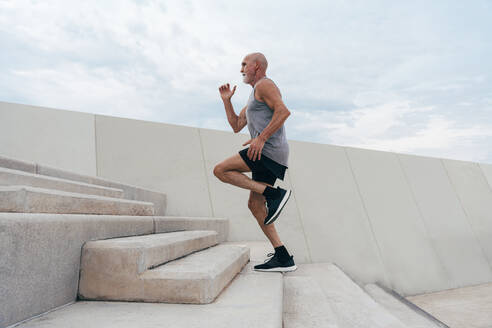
{"x":252,"y":299}
{"x":487,"y":172}
{"x":158,"y":150}
{"x":402,"y":311}
{"x":40,"y":261}
{"x":475,"y":195}
{"x":409,"y":257}
{"x":54,"y":137}
{"x":130,"y":192}
{"x":10,"y":177}
{"x":110,"y":269}
{"x":467,"y":307}
{"x":197,"y":278}
{"x":14,"y":164}
{"x":177,"y":223}
{"x":351,"y":305}
{"x":305,"y":305}
{"x":446,"y":222}
{"x":336,"y":226}
{"x":25,"y":199}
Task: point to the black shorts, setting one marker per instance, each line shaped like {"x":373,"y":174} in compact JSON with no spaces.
{"x":264,"y":170}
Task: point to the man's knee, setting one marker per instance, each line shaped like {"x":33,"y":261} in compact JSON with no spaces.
{"x":218,"y":171}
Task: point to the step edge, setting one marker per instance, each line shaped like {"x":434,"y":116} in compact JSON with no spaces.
{"x":239,"y":255}
{"x":67,"y":181}
{"x":57,"y":192}
{"x":101,"y":243}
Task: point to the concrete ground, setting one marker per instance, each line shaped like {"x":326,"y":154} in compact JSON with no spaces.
{"x":467,"y":307}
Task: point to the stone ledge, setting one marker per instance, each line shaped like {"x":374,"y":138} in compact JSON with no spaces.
{"x":176,"y":223}
{"x":26,"y":199}
{"x":110,"y":269}
{"x":10,"y":177}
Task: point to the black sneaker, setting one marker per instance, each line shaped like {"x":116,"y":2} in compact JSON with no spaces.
{"x":275,"y":205}
{"x":276,"y":265}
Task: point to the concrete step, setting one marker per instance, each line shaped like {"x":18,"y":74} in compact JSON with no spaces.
{"x":351,"y":305}
{"x":250,"y":300}
{"x":405,"y":311}
{"x":179,"y":223}
{"x":10,"y":177}
{"x":15,"y":164}
{"x":305,"y":305}
{"x":197,"y":278}
{"x":26,"y":199}
{"x":132,"y":192}
{"x":111,"y":269}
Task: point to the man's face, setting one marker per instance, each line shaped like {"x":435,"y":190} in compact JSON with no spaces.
{"x":248,"y":69}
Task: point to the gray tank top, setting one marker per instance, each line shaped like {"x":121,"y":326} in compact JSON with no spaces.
{"x":258,"y":116}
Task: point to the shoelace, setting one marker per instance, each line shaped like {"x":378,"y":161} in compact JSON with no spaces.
{"x":269,"y":255}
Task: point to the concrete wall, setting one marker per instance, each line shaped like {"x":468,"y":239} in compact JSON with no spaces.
{"x":415,"y":224}
{"x":53,"y":137}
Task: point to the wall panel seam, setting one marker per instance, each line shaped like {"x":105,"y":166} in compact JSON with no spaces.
{"x":422,"y":218}
{"x":95,"y":145}
{"x":367,"y":215}
{"x":484,"y":176}
{"x":205,"y":172}
{"x":466,"y":214}
{"x":300,"y":222}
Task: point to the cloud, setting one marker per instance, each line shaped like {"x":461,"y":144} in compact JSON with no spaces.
{"x":379,"y":74}
{"x":396,"y":127}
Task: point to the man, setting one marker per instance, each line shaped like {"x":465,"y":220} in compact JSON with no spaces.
{"x":266,"y":156}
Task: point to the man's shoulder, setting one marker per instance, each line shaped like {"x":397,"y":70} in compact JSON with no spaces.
{"x":266,"y":83}
{"x":266,"y":86}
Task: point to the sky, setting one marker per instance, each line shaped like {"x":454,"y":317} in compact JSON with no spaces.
{"x":411,"y":77}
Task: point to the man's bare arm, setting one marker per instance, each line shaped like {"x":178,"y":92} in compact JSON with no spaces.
{"x":235,"y":121}
{"x":268,"y":92}
{"x":241,"y":121}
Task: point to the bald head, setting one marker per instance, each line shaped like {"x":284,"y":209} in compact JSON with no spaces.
{"x":260,"y":59}
{"x":254,"y":68}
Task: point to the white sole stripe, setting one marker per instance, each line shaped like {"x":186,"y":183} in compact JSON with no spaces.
{"x":278,"y":269}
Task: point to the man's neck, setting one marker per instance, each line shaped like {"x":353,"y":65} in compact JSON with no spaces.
{"x":257,"y":79}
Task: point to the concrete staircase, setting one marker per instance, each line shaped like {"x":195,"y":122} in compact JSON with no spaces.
{"x":159,"y":268}
{"x":316,"y":295}
{"x":162,"y":275}
{"x":18,"y":172}
{"x":22,"y":191}
{"x":180,"y":262}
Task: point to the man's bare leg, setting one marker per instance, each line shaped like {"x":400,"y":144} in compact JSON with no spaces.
{"x":229,"y":171}
{"x":256,"y":205}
